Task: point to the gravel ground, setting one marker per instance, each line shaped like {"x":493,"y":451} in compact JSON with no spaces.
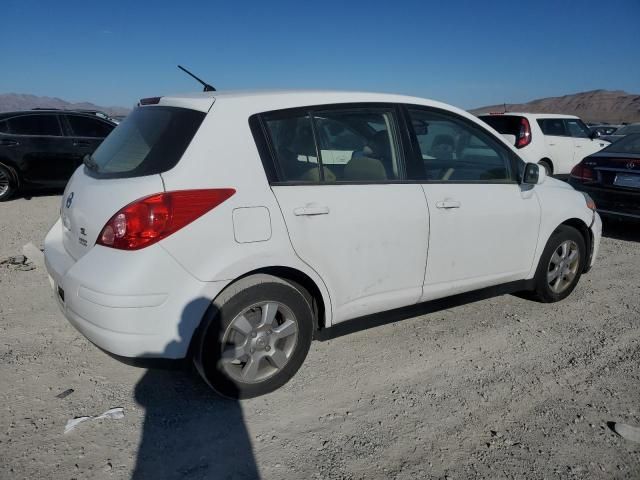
{"x":497,"y":388}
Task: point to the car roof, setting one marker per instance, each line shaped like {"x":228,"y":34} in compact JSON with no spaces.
{"x":257,"y":101}
{"x":530,"y":115}
{"x":38,"y":111}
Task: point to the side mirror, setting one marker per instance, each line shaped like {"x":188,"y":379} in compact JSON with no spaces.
{"x":595,"y":134}
{"x":534,"y":174}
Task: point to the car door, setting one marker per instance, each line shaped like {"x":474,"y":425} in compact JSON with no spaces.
{"x":86,"y":134}
{"x":559,"y":144}
{"x":483,"y":223}
{"x":40,"y":148}
{"x":339,"y":184}
{"x":582,"y":142}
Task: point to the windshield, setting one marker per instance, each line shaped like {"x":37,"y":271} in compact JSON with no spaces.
{"x":635,"y":128}
{"x":628,"y":144}
{"x":149,"y":141}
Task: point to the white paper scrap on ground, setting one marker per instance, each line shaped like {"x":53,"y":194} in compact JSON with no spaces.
{"x":628,"y":432}
{"x":33,"y":254}
{"x":113,"y":413}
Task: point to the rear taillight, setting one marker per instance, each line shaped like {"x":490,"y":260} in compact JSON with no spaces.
{"x":150,"y":219}
{"x":524,"y":135}
{"x":582,"y":172}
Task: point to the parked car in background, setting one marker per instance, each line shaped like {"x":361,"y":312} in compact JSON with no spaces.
{"x":612,"y":178}
{"x":622,"y":132}
{"x":557,"y":142}
{"x":42,"y":148}
{"x":232,"y":227}
{"x":603,"y":129}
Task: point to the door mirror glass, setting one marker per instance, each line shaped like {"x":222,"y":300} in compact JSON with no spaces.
{"x":534,"y":174}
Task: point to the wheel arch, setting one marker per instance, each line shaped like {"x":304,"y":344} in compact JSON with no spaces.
{"x":549,"y":162}
{"x":587,"y":235}
{"x":321,"y":305}
{"x":12,"y":170}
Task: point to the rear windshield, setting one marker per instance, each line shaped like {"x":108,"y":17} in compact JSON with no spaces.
{"x":149,"y":141}
{"x":505,"y":124}
{"x":628,"y":144}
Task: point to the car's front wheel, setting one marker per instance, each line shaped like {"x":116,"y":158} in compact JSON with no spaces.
{"x":255,"y":337}
{"x":560,"y":266}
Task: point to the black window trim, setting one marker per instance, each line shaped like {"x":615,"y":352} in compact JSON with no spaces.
{"x":30,"y":114}
{"x":267,"y":154}
{"x":68,"y":129}
{"x":512,"y":164}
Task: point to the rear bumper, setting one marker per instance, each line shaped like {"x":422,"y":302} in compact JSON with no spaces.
{"x":131,"y":304}
{"x":619,"y":203}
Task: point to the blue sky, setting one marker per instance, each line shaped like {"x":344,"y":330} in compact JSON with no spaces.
{"x":468,"y":53}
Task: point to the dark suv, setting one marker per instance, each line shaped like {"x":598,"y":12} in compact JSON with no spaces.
{"x":42,"y":148}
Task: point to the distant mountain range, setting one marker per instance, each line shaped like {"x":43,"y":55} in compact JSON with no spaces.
{"x":19,"y":101}
{"x":594,"y":106}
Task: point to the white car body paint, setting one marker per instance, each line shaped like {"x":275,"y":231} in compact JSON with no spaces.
{"x":367,"y":248}
{"x":564,"y":151}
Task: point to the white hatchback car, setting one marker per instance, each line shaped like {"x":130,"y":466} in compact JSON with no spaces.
{"x":232,"y":227}
{"x":557,"y":142}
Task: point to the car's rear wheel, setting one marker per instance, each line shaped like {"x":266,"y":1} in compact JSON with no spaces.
{"x":7,"y":183}
{"x":255,"y":337}
{"x":547,"y":166}
{"x":560,"y":266}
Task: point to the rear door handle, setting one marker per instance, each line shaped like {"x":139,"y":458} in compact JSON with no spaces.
{"x":446,"y":204}
{"x":310,"y":211}
{"x":80,"y":143}
{"x":9,"y":143}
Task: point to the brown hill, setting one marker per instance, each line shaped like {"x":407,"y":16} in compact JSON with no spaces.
{"x":594,"y":106}
{"x":10,"y":102}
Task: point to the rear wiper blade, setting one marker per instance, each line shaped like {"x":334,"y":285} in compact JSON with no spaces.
{"x":89,"y":162}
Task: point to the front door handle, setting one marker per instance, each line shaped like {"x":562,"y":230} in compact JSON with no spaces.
{"x":310,"y":211}
{"x":446,"y":204}
{"x":9,"y":143}
{"x":80,"y":143}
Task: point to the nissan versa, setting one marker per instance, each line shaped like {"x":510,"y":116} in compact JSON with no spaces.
{"x":231,"y":227}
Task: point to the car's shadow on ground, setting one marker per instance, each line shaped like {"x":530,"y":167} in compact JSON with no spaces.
{"x":29,"y":194}
{"x":189,"y":432}
{"x":620,"y":230}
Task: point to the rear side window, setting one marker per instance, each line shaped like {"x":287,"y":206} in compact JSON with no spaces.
{"x":41,"y":125}
{"x":149,"y":141}
{"x":505,"y":124}
{"x":88,"y":127}
{"x":354,"y":145}
{"x":552,"y":126}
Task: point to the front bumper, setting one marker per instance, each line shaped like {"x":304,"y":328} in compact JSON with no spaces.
{"x":131,"y":304}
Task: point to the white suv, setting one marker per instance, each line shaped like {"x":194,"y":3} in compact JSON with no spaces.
{"x":232,"y":227}
{"x":557,"y":142}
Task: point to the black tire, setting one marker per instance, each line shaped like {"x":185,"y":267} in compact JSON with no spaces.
{"x":543,"y":291}
{"x":547,"y":166}
{"x":8,"y":184}
{"x":246,"y":293}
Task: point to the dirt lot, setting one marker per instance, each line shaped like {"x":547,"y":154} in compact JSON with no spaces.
{"x":497,"y":388}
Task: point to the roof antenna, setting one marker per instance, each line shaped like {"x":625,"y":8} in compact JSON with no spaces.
{"x":207,"y":87}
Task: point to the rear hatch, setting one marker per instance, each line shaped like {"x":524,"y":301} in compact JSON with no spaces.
{"x":125,"y":167}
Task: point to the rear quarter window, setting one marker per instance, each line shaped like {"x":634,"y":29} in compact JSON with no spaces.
{"x":88,"y":127}
{"x":149,"y":141}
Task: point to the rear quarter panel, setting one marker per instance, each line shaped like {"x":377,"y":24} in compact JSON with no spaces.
{"x":223,"y":154}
